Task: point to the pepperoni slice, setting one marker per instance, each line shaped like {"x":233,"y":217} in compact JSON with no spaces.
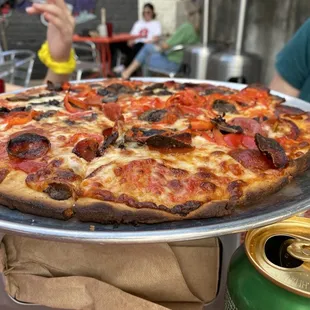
{"x":27,"y":166}
{"x":82,"y":135}
{"x":251,"y":159}
{"x":3,"y":152}
{"x":294,"y":130}
{"x":86,"y":149}
{"x":285,"y":127}
{"x":284,"y":109}
{"x":250,"y":126}
{"x":28,"y":146}
{"x":249,"y":142}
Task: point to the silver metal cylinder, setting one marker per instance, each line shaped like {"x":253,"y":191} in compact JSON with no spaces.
{"x":205,"y":22}
{"x":240,"y":27}
{"x":231,"y":67}
{"x":196,"y":59}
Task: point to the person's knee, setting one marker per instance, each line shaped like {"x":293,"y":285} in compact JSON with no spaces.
{"x":149,"y":48}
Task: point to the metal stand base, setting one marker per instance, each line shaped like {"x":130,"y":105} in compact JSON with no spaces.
{"x":229,"y":244}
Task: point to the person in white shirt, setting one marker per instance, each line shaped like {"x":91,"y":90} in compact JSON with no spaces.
{"x":148,"y":28}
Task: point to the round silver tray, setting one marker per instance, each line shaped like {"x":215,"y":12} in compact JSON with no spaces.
{"x":291,"y":200}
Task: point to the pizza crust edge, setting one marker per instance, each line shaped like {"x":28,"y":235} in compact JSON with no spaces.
{"x":15,"y":194}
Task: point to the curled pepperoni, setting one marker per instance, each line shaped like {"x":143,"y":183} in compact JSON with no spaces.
{"x":28,"y":166}
{"x":250,"y":126}
{"x":109,"y":140}
{"x":86,"y":149}
{"x":272,"y":150}
{"x":28,"y":146}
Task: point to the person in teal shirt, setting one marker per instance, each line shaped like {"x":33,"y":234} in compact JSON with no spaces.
{"x":154,"y":56}
{"x":293,"y":66}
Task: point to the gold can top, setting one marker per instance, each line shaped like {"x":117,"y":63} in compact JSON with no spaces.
{"x":281,"y":253}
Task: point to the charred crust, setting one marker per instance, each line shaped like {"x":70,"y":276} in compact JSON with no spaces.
{"x":235,"y":189}
{"x":93,"y":210}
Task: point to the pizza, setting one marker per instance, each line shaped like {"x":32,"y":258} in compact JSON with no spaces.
{"x":119,"y":151}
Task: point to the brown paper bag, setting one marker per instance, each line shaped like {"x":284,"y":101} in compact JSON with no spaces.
{"x":91,"y":276}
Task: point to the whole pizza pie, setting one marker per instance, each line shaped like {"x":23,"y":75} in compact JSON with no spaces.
{"x":140,"y":152}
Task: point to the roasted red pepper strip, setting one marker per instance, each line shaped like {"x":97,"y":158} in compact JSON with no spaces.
{"x":19,"y":118}
{"x":197,"y":124}
{"x":218,"y":137}
{"x":233,"y":140}
{"x":78,"y":102}
{"x":83,"y":90}
{"x":186,"y":97}
{"x":71,"y":103}
{"x":93,"y":100}
{"x":68,"y":105}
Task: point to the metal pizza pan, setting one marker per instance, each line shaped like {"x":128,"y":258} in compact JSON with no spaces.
{"x":291,"y":200}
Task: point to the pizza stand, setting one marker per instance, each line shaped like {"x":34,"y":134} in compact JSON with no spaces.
{"x":292,"y":199}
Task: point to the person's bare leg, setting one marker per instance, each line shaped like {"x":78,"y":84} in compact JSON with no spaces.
{"x":131,"y":69}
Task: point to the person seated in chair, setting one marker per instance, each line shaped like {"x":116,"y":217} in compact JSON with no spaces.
{"x":56,"y":53}
{"x":156,"y":56}
{"x":148,"y":28}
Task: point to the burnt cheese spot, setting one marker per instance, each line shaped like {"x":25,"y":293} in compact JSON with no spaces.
{"x":58,"y":191}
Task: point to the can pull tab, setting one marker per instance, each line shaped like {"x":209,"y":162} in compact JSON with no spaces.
{"x":300,"y":250}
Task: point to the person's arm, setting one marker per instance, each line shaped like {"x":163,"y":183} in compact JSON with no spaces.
{"x":179,"y":37}
{"x":164,"y":46}
{"x":280,"y":85}
{"x":59,"y":33}
{"x":155,"y":39}
{"x":293,"y":63}
{"x":134,"y":31}
{"x":12,"y":87}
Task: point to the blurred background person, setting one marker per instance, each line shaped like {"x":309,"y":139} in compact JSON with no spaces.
{"x":157,"y":56}
{"x":292,"y":75}
{"x":150,"y":31}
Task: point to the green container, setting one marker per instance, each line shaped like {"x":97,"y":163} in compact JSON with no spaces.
{"x":272,"y":270}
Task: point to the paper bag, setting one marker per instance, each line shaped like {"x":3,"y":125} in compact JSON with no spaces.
{"x":92,"y":276}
